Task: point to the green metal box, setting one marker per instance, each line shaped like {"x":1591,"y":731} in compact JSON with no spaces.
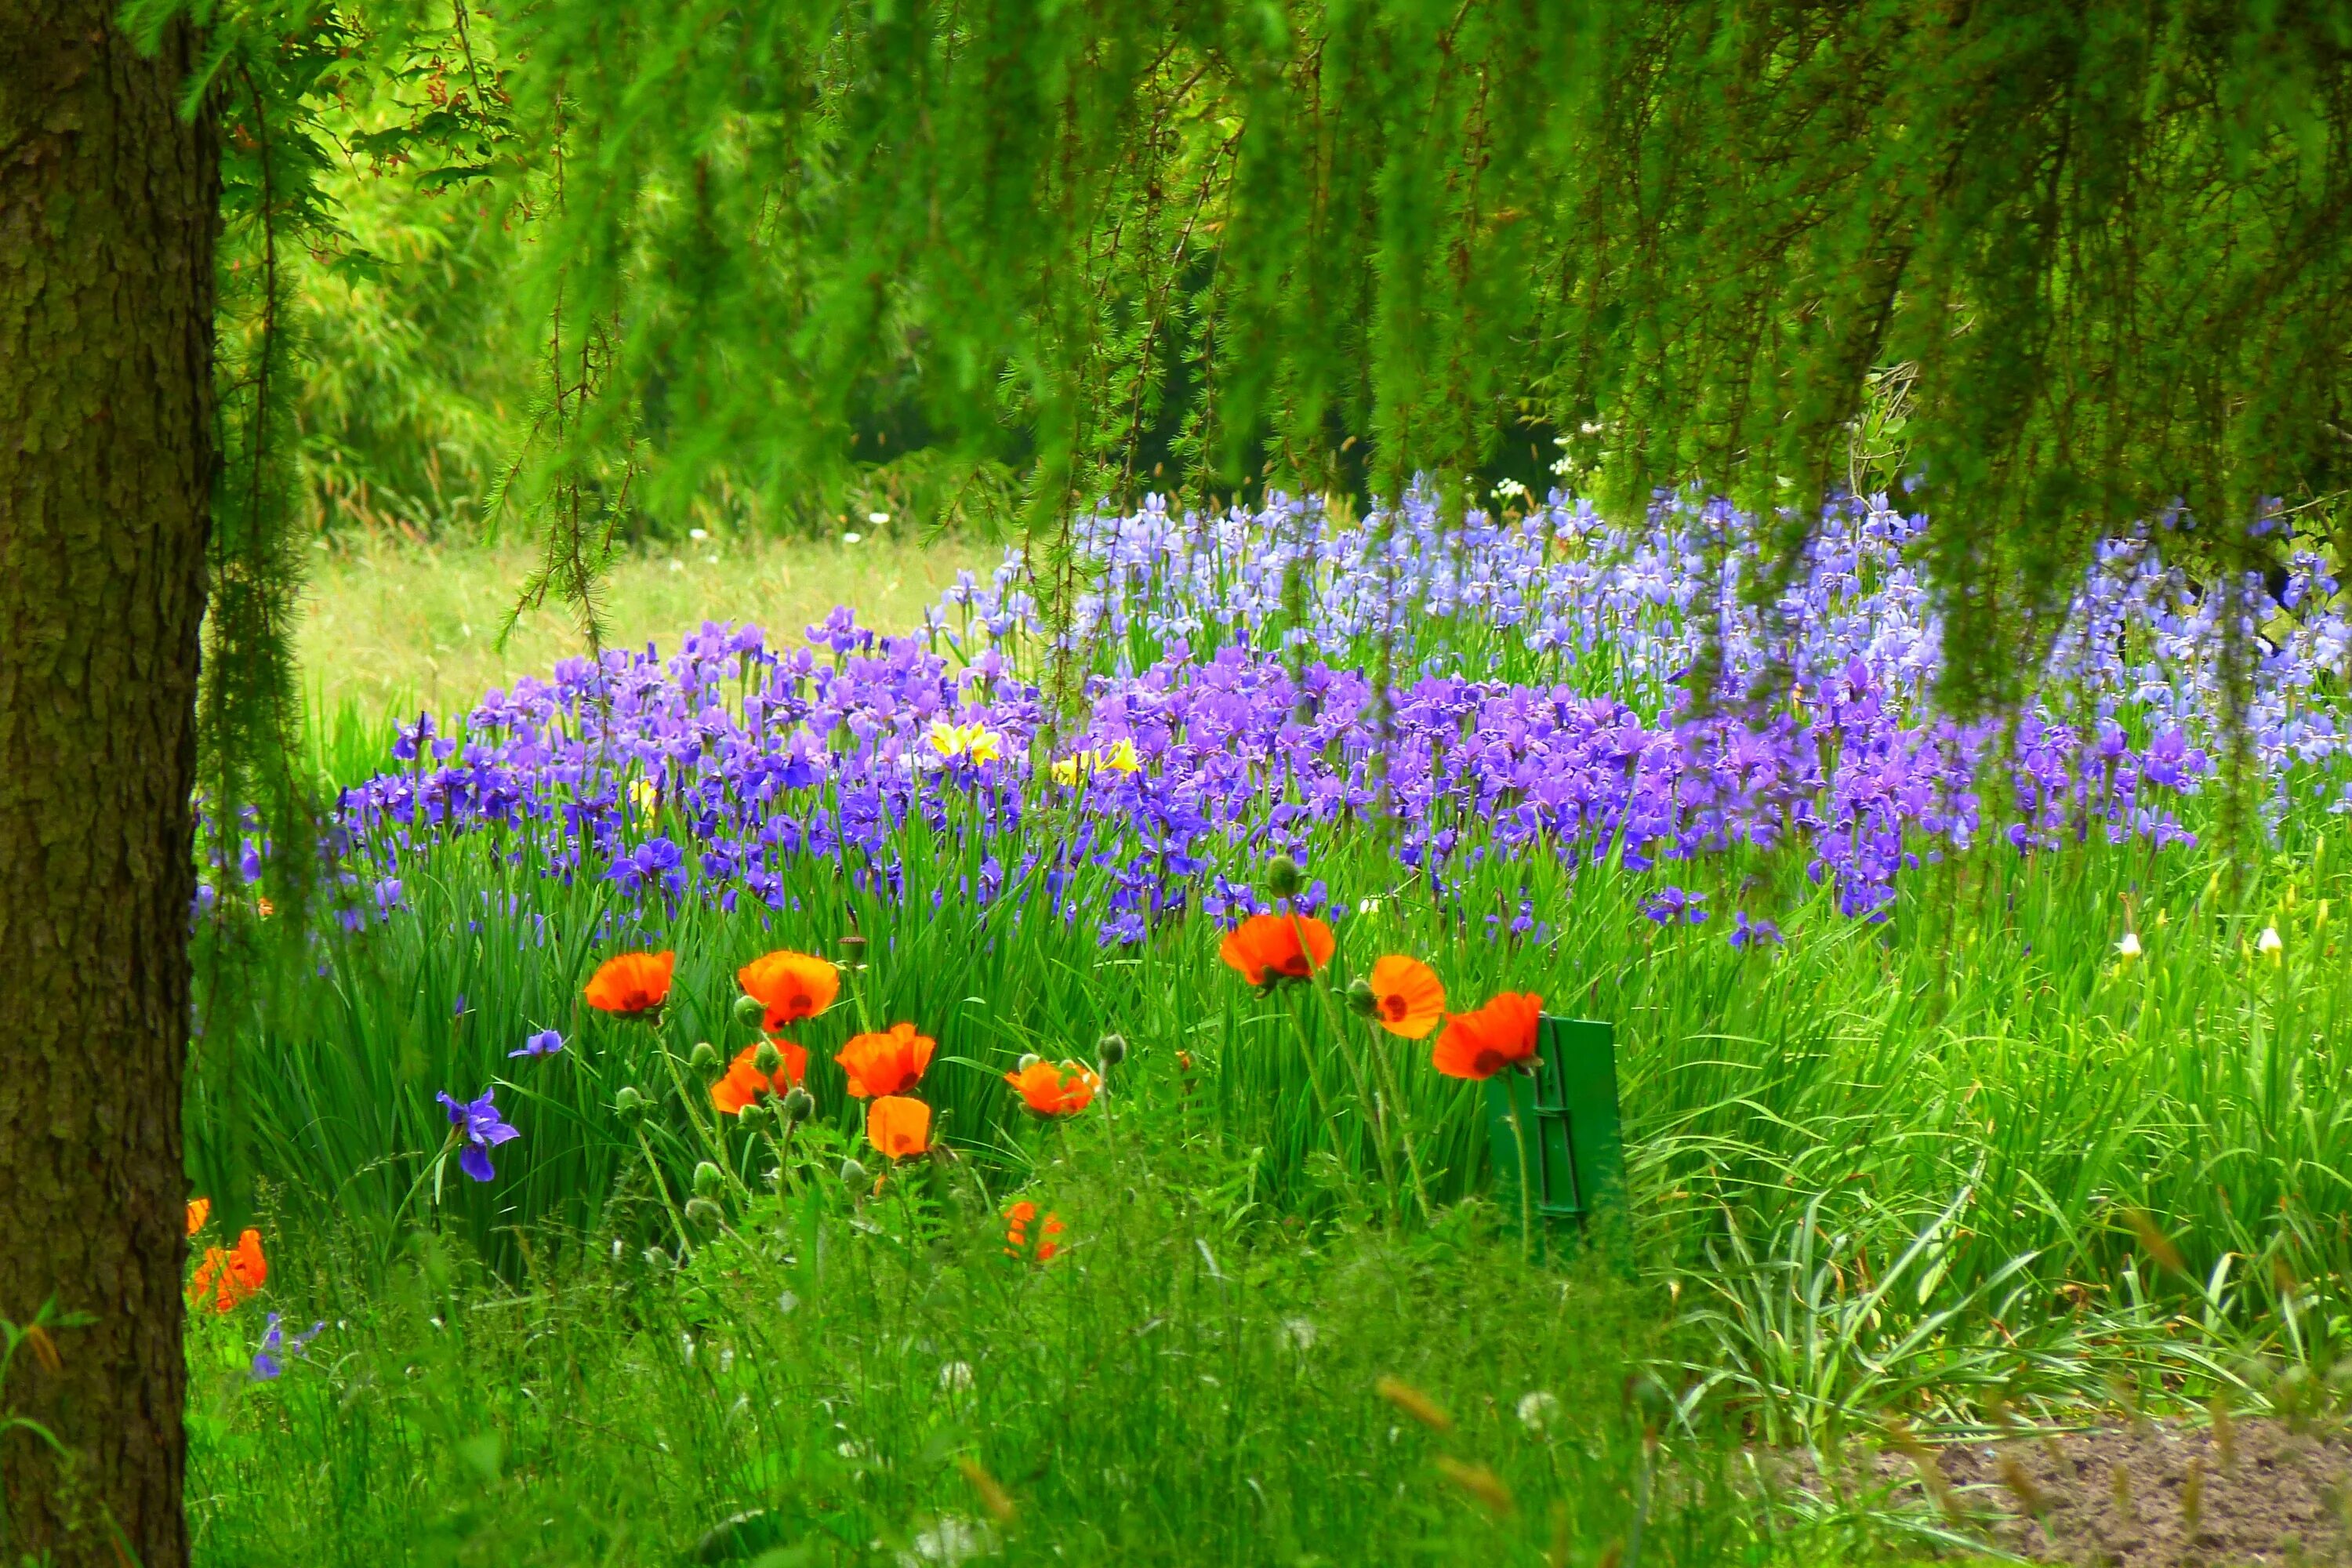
{"x":1567,"y":1110}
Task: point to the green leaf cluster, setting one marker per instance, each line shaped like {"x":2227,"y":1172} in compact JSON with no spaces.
{"x":1011,"y":253}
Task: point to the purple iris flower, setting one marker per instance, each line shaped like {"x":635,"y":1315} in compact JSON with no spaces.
{"x":270,"y":1361}
{"x":545,"y":1043}
{"x":1668,"y":905}
{"x":483,"y":1129}
{"x":1746,"y":933}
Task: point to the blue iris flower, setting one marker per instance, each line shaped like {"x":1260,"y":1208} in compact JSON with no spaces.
{"x":479,"y":1123}
{"x":545,"y":1043}
{"x":270,"y":1361}
{"x":1668,"y":905}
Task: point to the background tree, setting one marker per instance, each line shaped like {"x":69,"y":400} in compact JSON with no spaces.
{"x":108,"y":202}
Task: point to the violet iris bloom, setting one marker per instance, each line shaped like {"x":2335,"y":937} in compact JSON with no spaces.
{"x":545,"y":1043}
{"x":479,"y":1123}
{"x":270,"y":1361}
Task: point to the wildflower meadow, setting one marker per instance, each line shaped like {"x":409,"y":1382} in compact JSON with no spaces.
{"x":830,"y":1094}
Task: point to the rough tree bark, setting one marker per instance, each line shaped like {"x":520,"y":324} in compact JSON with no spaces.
{"x":108,"y":203}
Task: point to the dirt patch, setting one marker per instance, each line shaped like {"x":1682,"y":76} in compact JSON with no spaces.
{"x":2154,"y":1495}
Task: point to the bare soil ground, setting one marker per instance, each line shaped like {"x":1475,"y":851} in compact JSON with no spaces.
{"x":2152,"y":1495}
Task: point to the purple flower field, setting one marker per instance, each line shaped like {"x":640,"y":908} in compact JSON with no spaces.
{"x":1232,"y":707}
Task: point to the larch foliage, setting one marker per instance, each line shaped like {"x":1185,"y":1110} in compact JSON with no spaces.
{"x":2095,"y":253}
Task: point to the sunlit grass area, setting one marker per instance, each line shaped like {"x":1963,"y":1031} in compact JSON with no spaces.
{"x":390,"y":624}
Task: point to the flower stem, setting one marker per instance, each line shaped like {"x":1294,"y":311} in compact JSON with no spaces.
{"x":685,"y":1245}
{"x":1527,"y":1176}
{"x":1389,"y":1089}
{"x":1355,"y":1068}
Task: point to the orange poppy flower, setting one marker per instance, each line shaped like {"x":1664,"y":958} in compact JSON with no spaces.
{"x":1267,"y":948}
{"x":886,"y":1064}
{"x":1500,"y":1034}
{"x":790,"y":985}
{"x":744,"y":1082}
{"x":199,"y":1210}
{"x":1407,"y":997}
{"x":230,"y":1274}
{"x":1017,"y":1220}
{"x":898,"y":1128}
{"x":632,"y":982}
{"x":1051,"y":1090}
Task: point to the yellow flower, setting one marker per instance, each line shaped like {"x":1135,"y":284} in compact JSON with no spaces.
{"x":977,"y":742}
{"x":645,"y":797}
{"x":1121,"y":758}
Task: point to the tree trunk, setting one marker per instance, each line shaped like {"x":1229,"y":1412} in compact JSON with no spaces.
{"x":108,"y":203}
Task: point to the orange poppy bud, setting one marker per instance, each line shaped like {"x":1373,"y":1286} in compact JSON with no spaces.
{"x":1016,"y":1231}
{"x":631,"y":984}
{"x":199,"y":1210}
{"x":1500,"y":1034}
{"x":898,"y":1127}
{"x":1407,"y":997}
{"x":230,"y":1274}
{"x":886,"y":1064}
{"x":790,"y":985}
{"x":1267,"y":948}
{"x":744,"y":1082}
{"x":1050,"y":1091}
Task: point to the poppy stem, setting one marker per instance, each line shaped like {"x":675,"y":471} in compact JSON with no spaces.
{"x":712,"y":1139}
{"x":1526,"y":1177}
{"x":1355,"y":1068}
{"x":785,"y":1180}
{"x":1386,"y":1073}
{"x":685,"y":1243}
{"x":1314,"y":1078}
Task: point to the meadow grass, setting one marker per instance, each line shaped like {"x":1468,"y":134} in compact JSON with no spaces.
{"x":1963,"y":1159}
{"x":835,"y":1377}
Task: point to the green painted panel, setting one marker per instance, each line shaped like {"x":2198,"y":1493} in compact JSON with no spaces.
{"x":1568,"y":1111}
